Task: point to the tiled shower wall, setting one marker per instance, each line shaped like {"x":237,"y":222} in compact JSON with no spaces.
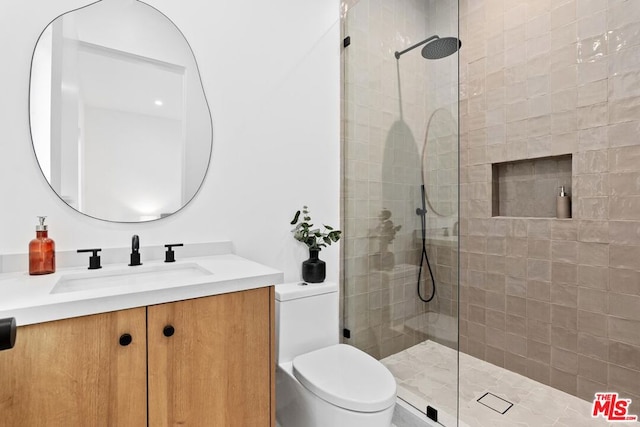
{"x":386,"y":108}
{"x":555,"y":300}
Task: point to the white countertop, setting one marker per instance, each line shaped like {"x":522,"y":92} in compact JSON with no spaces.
{"x":29,"y":298}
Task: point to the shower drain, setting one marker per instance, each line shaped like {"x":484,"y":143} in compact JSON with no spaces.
{"x":494,"y":402}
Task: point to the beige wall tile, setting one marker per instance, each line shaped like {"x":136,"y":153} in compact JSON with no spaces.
{"x":538,"y":269}
{"x":564,"y":360}
{"x":593,"y":277}
{"x":623,"y":134}
{"x":624,"y":281}
{"x":593,"y":346}
{"x":593,"y":300}
{"x":594,"y":369}
{"x":593,"y":231}
{"x":565,"y":317}
{"x":625,"y":355}
{"x":564,"y":251}
{"x":539,"y":331}
{"x":539,"y":352}
{"x":516,"y":344}
{"x":564,"y":338}
{"x":538,"y":290}
{"x":564,"y":381}
{"x":515,"y":286}
{"x":624,"y":330}
{"x":624,"y":232}
{"x":540,"y":249}
{"x":538,"y":371}
{"x":515,"y":363}
{"x":624,"y":256}
{"x":624,"y":159}
{"x":564,"y":273}
{"x":564,"y":295}
{"x":624,"y":379}
{"x":516,"y":325}
{"x":538,"y":310}
{"x":564,"y":230}
{"x":593,"y":323}
{"x":625,"y":306}
{"x":591,"y":162}
{"x":588,"y":388}
{"x":516,"y":247}
{"x":624,"y":208}
{"x":624,"y":184}
{"x":593,"y":253}
{"x":590,"y":208}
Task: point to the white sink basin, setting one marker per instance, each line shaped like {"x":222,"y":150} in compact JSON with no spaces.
{"x":128,"y":276}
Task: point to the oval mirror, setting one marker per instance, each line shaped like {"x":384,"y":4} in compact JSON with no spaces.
{"x":119,"y":120}
{"x":440,"y":163}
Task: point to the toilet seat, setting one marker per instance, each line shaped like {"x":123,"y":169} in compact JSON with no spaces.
{"x":346,"y":377}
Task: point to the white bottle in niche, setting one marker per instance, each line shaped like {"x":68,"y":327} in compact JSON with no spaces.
{"x":563,"y":204}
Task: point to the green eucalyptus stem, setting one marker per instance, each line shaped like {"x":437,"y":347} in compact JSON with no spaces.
{"x":314,"y":238}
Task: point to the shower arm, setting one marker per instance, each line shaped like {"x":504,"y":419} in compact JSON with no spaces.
{"x":397,"y":54}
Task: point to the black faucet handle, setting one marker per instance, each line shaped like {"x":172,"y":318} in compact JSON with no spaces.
{"x":135,"y":243}
{"x":94,"y":259}
{"x":135,"y":254}
{"x":169,"y":255}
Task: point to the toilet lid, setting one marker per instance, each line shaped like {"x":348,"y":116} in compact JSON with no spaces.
{"x":346,"y":377}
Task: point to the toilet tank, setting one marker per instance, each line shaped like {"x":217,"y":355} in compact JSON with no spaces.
{"x":306,"y":318}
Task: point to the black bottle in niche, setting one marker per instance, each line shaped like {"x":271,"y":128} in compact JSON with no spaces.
{"x":314,"y":270}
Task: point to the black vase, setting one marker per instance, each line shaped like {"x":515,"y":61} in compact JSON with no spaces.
{"x":314,"y":270}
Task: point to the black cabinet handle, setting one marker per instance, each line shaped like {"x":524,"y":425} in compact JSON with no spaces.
{"x":168,"y":331}
{"x":7,"y":333}
{"x":125,"y":339}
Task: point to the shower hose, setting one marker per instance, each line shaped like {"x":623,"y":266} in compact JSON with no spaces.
{"x":424,"y":257}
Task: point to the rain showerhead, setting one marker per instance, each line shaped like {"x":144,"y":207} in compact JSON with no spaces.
{"x":436,"y":47}
{"x":441,"y":48}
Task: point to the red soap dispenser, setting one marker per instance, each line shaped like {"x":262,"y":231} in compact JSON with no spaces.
{"x":42,"y":251}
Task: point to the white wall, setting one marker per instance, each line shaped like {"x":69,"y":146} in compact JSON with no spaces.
{"x":271,"y":74}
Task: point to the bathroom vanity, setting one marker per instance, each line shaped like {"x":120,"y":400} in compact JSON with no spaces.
{"x":197,"y":350}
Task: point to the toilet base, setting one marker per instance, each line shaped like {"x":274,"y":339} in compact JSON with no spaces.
{"x":296,"y":406}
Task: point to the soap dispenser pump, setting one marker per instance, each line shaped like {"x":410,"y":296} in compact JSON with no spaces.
{"x":42,"y":251}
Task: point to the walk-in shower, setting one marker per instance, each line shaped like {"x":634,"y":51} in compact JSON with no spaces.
{"x":533,"y":315}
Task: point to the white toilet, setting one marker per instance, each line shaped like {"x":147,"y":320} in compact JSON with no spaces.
{"x":319,"y":382}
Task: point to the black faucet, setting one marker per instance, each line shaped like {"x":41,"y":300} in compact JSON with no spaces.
{"x":135,"y":248}
{"x":94,"y":259}
{"x":169,"y":255}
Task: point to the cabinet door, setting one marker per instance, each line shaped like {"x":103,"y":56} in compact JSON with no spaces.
{"x":217,"y":368}
{"x":75,"y":372}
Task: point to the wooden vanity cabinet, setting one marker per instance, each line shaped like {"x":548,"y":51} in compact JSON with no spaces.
{"x":200,"y":362}
{"x":74,"y":372}
{"x":217,"y":368}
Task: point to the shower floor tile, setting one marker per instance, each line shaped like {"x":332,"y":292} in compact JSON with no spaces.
{"x":426,"y":375}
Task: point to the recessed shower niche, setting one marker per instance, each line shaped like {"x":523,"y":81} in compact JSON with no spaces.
{"x":528,"y":188}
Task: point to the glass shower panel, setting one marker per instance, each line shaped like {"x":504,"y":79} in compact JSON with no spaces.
{"x":400,"y":194}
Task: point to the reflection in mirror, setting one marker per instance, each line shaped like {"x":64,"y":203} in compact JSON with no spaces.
{"x":119,"y":120}
{"x":440,"y":163}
